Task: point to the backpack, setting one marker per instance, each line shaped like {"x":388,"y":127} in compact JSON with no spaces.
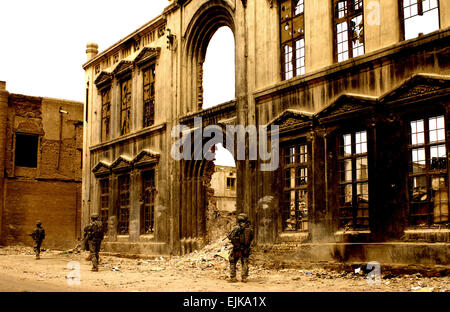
{"x":246,"y":237}
{"x":97,"y":230}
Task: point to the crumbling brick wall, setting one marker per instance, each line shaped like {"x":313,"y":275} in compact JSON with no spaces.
{"x":52,"y":191}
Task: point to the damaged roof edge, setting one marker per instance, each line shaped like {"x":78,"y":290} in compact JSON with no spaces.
{"x":160,"y":19}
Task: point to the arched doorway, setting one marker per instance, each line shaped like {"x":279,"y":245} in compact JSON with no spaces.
{"x":213,"y":18}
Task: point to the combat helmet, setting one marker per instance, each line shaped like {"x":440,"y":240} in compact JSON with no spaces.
{"x":94,"y":216}
{"x":38,"y":222}
{"x":242,"y":217}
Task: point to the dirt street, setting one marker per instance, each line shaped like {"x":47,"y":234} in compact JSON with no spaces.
{"x":202,"y":271}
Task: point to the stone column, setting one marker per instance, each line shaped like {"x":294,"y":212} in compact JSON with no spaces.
{"x":112,"y":219}
{"x":135,"y":204}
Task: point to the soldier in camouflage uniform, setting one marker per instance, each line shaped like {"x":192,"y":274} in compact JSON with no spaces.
{"x":93,"y":233}
{"x":38,"y":236}
{"x":241,"y":237}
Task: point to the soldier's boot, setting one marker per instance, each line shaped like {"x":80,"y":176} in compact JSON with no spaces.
{"x":232,"y":278}
{"x":244,"y":262}
{"x":94,"y":264}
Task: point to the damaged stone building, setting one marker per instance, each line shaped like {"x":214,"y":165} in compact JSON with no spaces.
{"x":40,"y":163}
{"x":358,"y":88}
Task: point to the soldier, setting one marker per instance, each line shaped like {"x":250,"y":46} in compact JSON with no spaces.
{"x":93,"y":233}
{"x":241,"y":237}
{"x":38,"y":236}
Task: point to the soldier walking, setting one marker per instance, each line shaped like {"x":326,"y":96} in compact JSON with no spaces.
{"x":241,"y":237}
{"x":93,"y":233}
{"x":38,"y":236}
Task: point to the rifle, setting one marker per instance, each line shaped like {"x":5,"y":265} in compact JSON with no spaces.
{"x":233,"y":232}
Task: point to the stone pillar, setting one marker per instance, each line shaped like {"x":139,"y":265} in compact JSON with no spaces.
{"x":135,"y":205}
{"x":113,"y":199}
{"x":4,"y":94}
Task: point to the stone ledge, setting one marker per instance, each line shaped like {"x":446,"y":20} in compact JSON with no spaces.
{"x":301,"y":237}
{"x":427,"y":235}
{"x":404,"y":253}
{"x":143,"y":248}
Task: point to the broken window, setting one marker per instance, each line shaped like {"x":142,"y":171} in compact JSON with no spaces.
{"x":295,"y":187}
{"x":428,"y":183}
{"x":148,"y":207}
{"x":124,"y":205}
{"x":348,"y":29}
{"x":353,"y":181}
{"x":106,"y":113}
{"x":231,"y":183}
{"x":125,"y":106}
{"x":104,"y":203}
{"x":292,"y":26}
{"x":26,"y":152}
{"x":149,"y":96}
{"x":419,"y":17}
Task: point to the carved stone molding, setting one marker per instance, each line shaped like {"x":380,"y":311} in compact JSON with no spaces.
{"x":417,"y":86}
{"x":145,"y":158}
{"x":102,"y":168}
{"x":103,"y":79}
{"x":146,"y":56}
{"x":30,"y":127}
{"x":292,"y":119}
{"x":123,"y":68}
{"x":122,"y":163}
{"x":345,"y":104}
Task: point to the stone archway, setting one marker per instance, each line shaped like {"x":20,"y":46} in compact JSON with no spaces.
{"x":207,"y":20}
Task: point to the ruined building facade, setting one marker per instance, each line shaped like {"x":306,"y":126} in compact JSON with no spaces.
{"x":359,"y":89}
{"x":41,"y":141}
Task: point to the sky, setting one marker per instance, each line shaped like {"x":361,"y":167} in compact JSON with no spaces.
{"x":43,"y":42}
{"x":43,"y":46}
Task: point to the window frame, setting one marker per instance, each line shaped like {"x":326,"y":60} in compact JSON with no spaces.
{"x":38,"y":141}
{"x":148,"y":193}
{"x":346,"y":18}
{"x":104,"y":198}
{"x":402,"y":19}
{"x":152,"y":98}
{"x":104,"y":137}
{"x":293,"y":40}
{"x":298,"y":188}
{"x":353,"y":207}
{"x":428,"y":172}
{"x":127,"y":79}
{"x":231,"y":186}
{"x":123,"y":213}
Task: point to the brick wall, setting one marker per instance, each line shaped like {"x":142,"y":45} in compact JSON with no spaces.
{"x":55,"y":203}
{"x":52,"y":191}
